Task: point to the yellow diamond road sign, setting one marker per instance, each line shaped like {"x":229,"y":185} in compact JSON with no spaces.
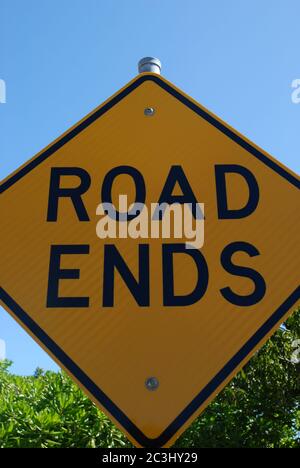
{"x":149,"y":327}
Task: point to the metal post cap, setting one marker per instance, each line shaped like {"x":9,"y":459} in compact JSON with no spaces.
{"x":149,"y":64}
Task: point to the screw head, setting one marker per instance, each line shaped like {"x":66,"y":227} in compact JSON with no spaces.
{"x":149,"y":111}
{"x":152,"y":383}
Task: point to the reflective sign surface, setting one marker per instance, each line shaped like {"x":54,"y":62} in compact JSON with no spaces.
{"x":150,"y":329}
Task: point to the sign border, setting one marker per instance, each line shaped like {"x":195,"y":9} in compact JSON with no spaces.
{"x":64,"y":359}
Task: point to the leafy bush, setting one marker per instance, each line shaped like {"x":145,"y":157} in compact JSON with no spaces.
{"x":259,"y":408}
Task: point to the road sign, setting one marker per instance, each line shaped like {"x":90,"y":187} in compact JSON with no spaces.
{"x":151,"y":329}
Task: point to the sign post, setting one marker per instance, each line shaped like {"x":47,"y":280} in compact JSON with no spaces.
{"x":150,"y":272}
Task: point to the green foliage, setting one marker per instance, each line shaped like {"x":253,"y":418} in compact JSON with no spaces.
{"x":259,"y":408}
{"x":49,"y":410}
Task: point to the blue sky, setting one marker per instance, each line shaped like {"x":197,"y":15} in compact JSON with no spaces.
{"x":62,"y":58}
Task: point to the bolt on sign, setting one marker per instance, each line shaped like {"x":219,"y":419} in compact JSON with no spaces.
{"x":151,"y":326}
